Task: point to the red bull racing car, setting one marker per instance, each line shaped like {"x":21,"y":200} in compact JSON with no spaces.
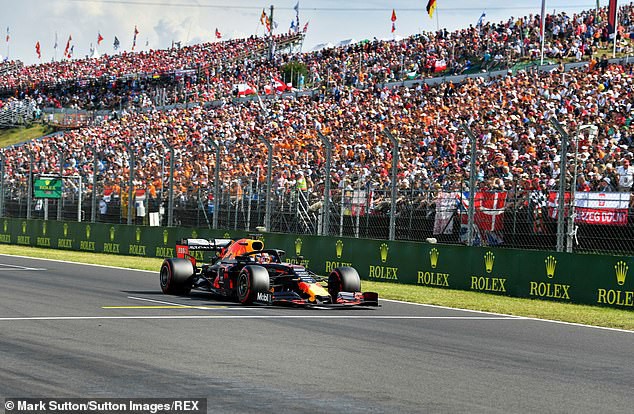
{"x":243,"y":270}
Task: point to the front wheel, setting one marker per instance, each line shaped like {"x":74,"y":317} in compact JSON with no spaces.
{"x":176,"y":276}
{"x":251,"y":280}
{"x":343,"y":279}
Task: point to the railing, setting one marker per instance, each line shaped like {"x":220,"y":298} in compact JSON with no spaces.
{"x":508,"y":219}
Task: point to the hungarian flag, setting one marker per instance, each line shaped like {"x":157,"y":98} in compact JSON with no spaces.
{"x":431,"y":7}
{"x":37,"y":50}
{"x":218,"y":34}
{"x":99,"y":38}
{"x":393,"y":21}
{"x":612,"y":23}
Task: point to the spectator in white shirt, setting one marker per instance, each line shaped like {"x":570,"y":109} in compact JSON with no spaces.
{"x":626,"y":176}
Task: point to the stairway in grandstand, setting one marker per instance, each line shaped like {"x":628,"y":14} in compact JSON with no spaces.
{"x":16,"y":113}
{"x":307,"y":218}
{"x":8,"y":67}
{"x":287,"y":44}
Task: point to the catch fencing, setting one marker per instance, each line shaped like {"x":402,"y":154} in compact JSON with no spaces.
{"x":604,"y":222}
{"x":553,"y":218}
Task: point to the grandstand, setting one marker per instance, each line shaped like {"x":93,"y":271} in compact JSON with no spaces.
{"x":353,"y":94}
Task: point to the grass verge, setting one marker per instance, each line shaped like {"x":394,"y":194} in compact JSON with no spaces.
{"x":13,"y":136}
{"x":589,"y":315}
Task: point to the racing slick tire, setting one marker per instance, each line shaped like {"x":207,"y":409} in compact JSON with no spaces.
{"x":176,"y":276}
{"x":251,"y":280}
{"x":343,"y":279}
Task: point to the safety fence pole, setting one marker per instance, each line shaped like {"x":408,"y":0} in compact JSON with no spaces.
{"x":325,"y":229}
{"x":395,"y":151}
{"x":170,"y":191}
{"x":561,"y":223}
{"x":216,"y":146}
{"x":472,"y":183}
{"x":267,"y":211}
{"x":130,"y":182}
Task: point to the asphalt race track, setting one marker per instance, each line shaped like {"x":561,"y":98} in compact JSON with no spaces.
{"x":69,"y":330}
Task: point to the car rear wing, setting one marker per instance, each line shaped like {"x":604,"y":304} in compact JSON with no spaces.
{"x":185,"y":246}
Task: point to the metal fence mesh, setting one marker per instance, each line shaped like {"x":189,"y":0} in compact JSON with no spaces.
{"x":520,"y":217}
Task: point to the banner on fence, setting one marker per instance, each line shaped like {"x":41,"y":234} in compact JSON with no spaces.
{"x":488,"y":217}
{"x":445,"y":210}
{"x":602,"y":208}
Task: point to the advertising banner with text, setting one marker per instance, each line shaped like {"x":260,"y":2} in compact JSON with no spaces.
{"x":564,"y":277}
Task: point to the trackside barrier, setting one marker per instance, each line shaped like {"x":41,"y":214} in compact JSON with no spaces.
{"x":563,"y":277}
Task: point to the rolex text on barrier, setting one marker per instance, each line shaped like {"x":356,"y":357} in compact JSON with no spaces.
{"x":562,"y":277}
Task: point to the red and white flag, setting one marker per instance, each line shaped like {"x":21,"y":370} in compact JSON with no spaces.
{"x":67,"y":49}
{"x":244,"y":89}
{"x":99,"y":38}
{"x":37,"y":50}
{"x":489,"y":210}
{"x":278,"y":86}
{"x":553,"y":204}
{"x":602,"y":208}
{"x":218,"y":34}
{"x":440,"y":65}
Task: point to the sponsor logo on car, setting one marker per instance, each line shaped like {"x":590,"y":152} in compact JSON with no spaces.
{"x":263,"y":297}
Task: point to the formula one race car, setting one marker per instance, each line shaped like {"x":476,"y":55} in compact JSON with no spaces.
{"x":244,"y":270}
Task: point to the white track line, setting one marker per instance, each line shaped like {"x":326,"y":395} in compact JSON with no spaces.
{"x":79,"y":263}
{"x":188,"y":306}
{"x":85,"y":318}
{"x":512,"y":317}
{"x":6,"y":266}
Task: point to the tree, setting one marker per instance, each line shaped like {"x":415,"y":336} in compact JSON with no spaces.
{"x":292,"y":70}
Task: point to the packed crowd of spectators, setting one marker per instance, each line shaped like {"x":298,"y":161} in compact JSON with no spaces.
{"x":204,"y":71}
{"x":209,"y":71}
{"x":518,"y":148}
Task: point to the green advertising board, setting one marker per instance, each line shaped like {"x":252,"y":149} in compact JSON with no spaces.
{"x":601,"y":280}
{"x":47,"y":188}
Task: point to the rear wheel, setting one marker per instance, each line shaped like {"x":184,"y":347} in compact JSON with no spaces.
{"x":251,"y":280}
{"x":343,"y":279}
{"x":176,"y":276}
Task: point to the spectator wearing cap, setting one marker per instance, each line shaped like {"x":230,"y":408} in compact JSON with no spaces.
{"x":626,"y":176}
{"x":605,"y":185}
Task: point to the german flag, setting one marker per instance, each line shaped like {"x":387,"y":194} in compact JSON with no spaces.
{"x":431,"y":7}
